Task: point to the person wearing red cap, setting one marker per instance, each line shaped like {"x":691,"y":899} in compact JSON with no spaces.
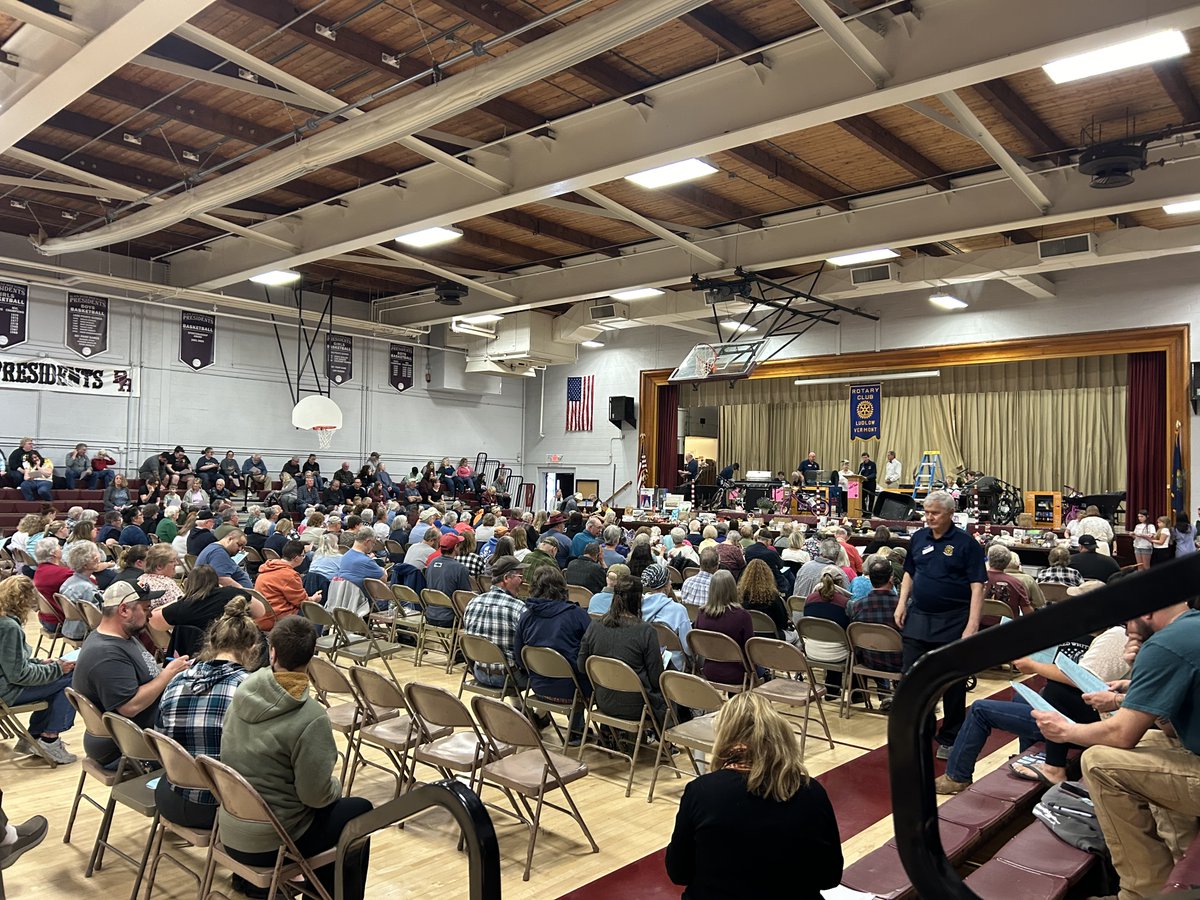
{"x":446,"y":574}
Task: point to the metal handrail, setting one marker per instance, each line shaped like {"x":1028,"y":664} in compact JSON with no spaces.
{"x":483,"y":848}
{"x":914,"y":806}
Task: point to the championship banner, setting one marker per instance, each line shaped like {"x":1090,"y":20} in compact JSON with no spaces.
{"x":14,"y":314}
{"x":400,"y":367}
{"x":197,"y":339}
{"x":67,"y":378}
{"x":87,"y":324}
{"x":865,"y":403}
{"x":339,"y":358}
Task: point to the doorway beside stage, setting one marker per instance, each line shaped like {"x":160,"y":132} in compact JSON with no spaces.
{"x":553,"y":481}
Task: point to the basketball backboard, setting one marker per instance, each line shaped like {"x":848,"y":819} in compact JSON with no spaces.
{"x":718,"y":362}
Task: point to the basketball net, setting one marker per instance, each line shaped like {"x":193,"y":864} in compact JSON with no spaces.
{"x":324,"y":435}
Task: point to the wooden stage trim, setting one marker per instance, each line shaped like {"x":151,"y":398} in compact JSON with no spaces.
{"x":1173,"y":340}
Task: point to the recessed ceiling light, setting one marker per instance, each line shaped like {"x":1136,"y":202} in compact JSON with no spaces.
{"x":1186,"y":206}
{"x":429,"y":237}
{"x":947,"y":301}
{"x":739,"y":327}
{"x":672,"y":173}
{"x":482,"y":319}
{"x":1138,"y":52}
{"x":276,"y":277}
{"x":637,"y":294}
{"x":591,"y":345}
{"x":865,"y":256}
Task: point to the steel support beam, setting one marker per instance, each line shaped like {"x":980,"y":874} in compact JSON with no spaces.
{"x":651,"y":227}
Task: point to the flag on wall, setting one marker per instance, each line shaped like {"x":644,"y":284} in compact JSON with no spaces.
{"x":642,"y":471}
{"x":581,"y":398}
{"x":1178,"y":479}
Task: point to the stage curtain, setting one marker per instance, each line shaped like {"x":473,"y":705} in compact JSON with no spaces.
{"x":1038,"y":424}
{"x":668,"y":436}
{"x":1146,"y":480}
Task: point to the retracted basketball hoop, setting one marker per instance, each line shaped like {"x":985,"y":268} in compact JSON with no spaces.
{"x":320,"y":414}
{"x":718,"y":362}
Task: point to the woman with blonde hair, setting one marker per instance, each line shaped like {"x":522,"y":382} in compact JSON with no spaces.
{"x":195,"y":496}
{"x":27,"y":680}
{"x":520,"y":542}
{"x":327,"y":557}
{"x":794,"y":552}
{"x":758,"y":799}
{"x":159,"y":574}
{"x":828,"y":601}
{"x":31,"y":524}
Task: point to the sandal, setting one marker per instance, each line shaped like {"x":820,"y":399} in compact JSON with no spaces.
{"x":1026,"y":768}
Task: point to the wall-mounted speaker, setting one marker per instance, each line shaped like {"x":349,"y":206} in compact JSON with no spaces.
{"x":620,"y":412}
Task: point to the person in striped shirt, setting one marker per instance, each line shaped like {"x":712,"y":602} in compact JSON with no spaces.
{"x":695,"y":589}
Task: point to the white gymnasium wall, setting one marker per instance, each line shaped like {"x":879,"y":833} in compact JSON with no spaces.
{"x":1162,"y":291}
{"x":242,"y":403}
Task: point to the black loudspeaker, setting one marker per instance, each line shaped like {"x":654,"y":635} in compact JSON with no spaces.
{"x":620,"y":412}
{"x":895,"y":507}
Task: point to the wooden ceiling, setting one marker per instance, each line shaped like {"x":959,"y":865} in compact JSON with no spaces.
{"x":149,"y":129}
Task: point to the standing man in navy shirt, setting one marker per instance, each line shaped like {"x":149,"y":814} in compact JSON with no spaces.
{"x":869,"y":472}
{"x":941,"y":598}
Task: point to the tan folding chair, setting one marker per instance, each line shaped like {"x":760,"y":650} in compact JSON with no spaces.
{"x":239,"y":800}
{"x":1053,"y":592}
{"x":764,"y":625}
{"x":796,"y":607}
{"x":73,"y":613}
{"x":184,"y":772}
{"x":786,"y":662}
{"x":253,"y":557}
{"x":531,"y":772}
{"x":812,"y":628}
{"x":689,"y":571}
{"x":577,"y":593}
{"x":330,"y":639}
{"x":668,"y":640}
{"x":481,"y":583}
{"x":994,"y":607}
{"x":381,"y":592}
{"x":94,"y":725}
{"x":187,"y":563}
{"x":45,"y":609}
{"x":268,"y":554}
{"x":361,"y":645}
{"x":91,"y":615}
{"x":133,"y":793}
{"x":460,"y":599}
{"x":615,"y":675}
{"x":446,"y":635}
{"x":464,"y":750}
{"x":713,"y":646}
{"x":329,"y":685}
{"x":693,"y":611}
{"x":878,"y":638}
{"x":546,"y":662}
{"x":693,"y":692}
{"x":409,"y":618}
{"x":11,"y":726}
{"x":393,"y":547}
{"x":395,"y":735}
{"x":479,"y":651}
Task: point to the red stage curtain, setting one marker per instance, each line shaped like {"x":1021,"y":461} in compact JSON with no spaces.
{"x":1145,"y":434}
{"x":667,"y":448}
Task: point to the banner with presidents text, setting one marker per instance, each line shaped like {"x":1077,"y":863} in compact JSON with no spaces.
{"x":67,"y":378}
{"x":865,"y":403}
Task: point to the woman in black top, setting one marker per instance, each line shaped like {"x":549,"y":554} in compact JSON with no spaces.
{"x":757,"y":825}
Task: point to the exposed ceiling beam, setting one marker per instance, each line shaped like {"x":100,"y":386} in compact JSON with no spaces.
{"x":774,"y":167}
{"x":45,"y":21}
{"x":721,"y":30}
{"x":563,"y":233}
{"x":497,"y":19}
{"x":362,"y":49}
{"x":32,"y":99}
{"x":713,"y":205}
{"x":567,"y":204}
{"x":189,"y":111}
{"x":522,"y":252}
{"x":442,"y":272}
{"x":884,"y":142}
{"x":1020,"y":115}
{"x":1173,"y":78}
{"x":1020,"y":235}
{"x":847,"y":41}
{"x":216,"y":79}
{"x":650,"y":227}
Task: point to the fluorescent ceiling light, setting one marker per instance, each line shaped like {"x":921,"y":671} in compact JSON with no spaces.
{"x":637,"y":294}
{"x":868,"y":379}
{"x":1186,"y":206}
{"x":1138,"y":52}
{"x":866,"y":256}
{"x":947,"y":301}
{"x":591,"y":345}
{"x":673,"y":173}
{"x":482,"y":319}
{"x":429,"y":237}
{"x":739,"y":327}
{"x":276,"y":277}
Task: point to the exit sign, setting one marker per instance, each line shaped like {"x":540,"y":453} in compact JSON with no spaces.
{"x":553,"y":457}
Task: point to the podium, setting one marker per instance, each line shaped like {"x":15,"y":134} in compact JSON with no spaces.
{"x":852,"y":497}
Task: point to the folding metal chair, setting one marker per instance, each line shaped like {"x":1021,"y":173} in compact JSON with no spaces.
{"x":11,"y":726}
{"x":94,"y":725}
{"x":184,"y":772}
{"x":812,"y":628}
{"x":464,"y":750}
{"x":693,"y":692}
{"x":73,"y":612}
{"x":531,"y":772}
{"x":409,"y":613}
{"x":577,"y":593}
{"x":877,"y":638}
{"x":668,"y":640}
{"x":713,"y":646}
{"x":330,"y":640}
{"x":546,"y":662}
{"x":329,"y":683}
{"x":46,"y":609}
{"x":360,"y":644}
{"x":764,"y":625}
{"x":615,"y":675}
{"x":446,"y":635}
{"x":480,"y":651}
{"x":787,"y":661}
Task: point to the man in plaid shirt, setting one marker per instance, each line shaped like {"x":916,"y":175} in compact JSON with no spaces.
{"x":1059,"y":571}
{"x":879,"y":607}
{"x":695,"y":589}
{"x":494,"y":615}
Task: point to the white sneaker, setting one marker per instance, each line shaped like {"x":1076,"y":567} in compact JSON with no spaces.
{"x":24,"y":748}
{"x":57,"y":751}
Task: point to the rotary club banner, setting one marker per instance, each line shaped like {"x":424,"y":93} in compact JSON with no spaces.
{"x":865,"y":403}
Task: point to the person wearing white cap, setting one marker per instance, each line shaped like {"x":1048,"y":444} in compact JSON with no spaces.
{"x":116,"y":672}
{"x":424,"y":522}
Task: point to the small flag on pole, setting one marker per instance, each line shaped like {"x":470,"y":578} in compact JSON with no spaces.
{"x":581,"y":391}
{"x":1178,"y":477}
{"x":642,"y":471}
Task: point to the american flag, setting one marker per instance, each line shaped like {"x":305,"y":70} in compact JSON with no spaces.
{"x":641,"y":472}
{"x":581,"y":396}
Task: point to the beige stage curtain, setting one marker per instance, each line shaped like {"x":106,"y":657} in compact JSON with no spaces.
{"x":1038,"y":424}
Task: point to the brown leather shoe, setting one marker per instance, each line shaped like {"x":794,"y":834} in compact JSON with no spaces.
{"x":944,"y":784}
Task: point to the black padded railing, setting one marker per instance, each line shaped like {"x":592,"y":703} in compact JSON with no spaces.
{"x":914,"y":808}
{"x":483,"y":849}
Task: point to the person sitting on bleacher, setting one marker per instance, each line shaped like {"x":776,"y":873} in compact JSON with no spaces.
{"x":179,"y":465}
{"x":102,"y":471}
{"x":16,"y":460}
{"x":1102,"y":656}
{"x":231,"y":471}
{"x":77,"y":466}
{"x":37,"y":477}
{"x":307,"y":494}
{"x":1139,"y":776}
{"x":254,"y":473}
{"x":116,"y":495}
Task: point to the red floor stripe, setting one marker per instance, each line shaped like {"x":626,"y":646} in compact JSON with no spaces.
{"x":858,"y":789}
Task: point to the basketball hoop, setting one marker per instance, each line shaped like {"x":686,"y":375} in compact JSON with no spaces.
{"x":320,"y":414}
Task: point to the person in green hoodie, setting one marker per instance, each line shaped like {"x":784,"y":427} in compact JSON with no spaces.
{"x":279,"y":737}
